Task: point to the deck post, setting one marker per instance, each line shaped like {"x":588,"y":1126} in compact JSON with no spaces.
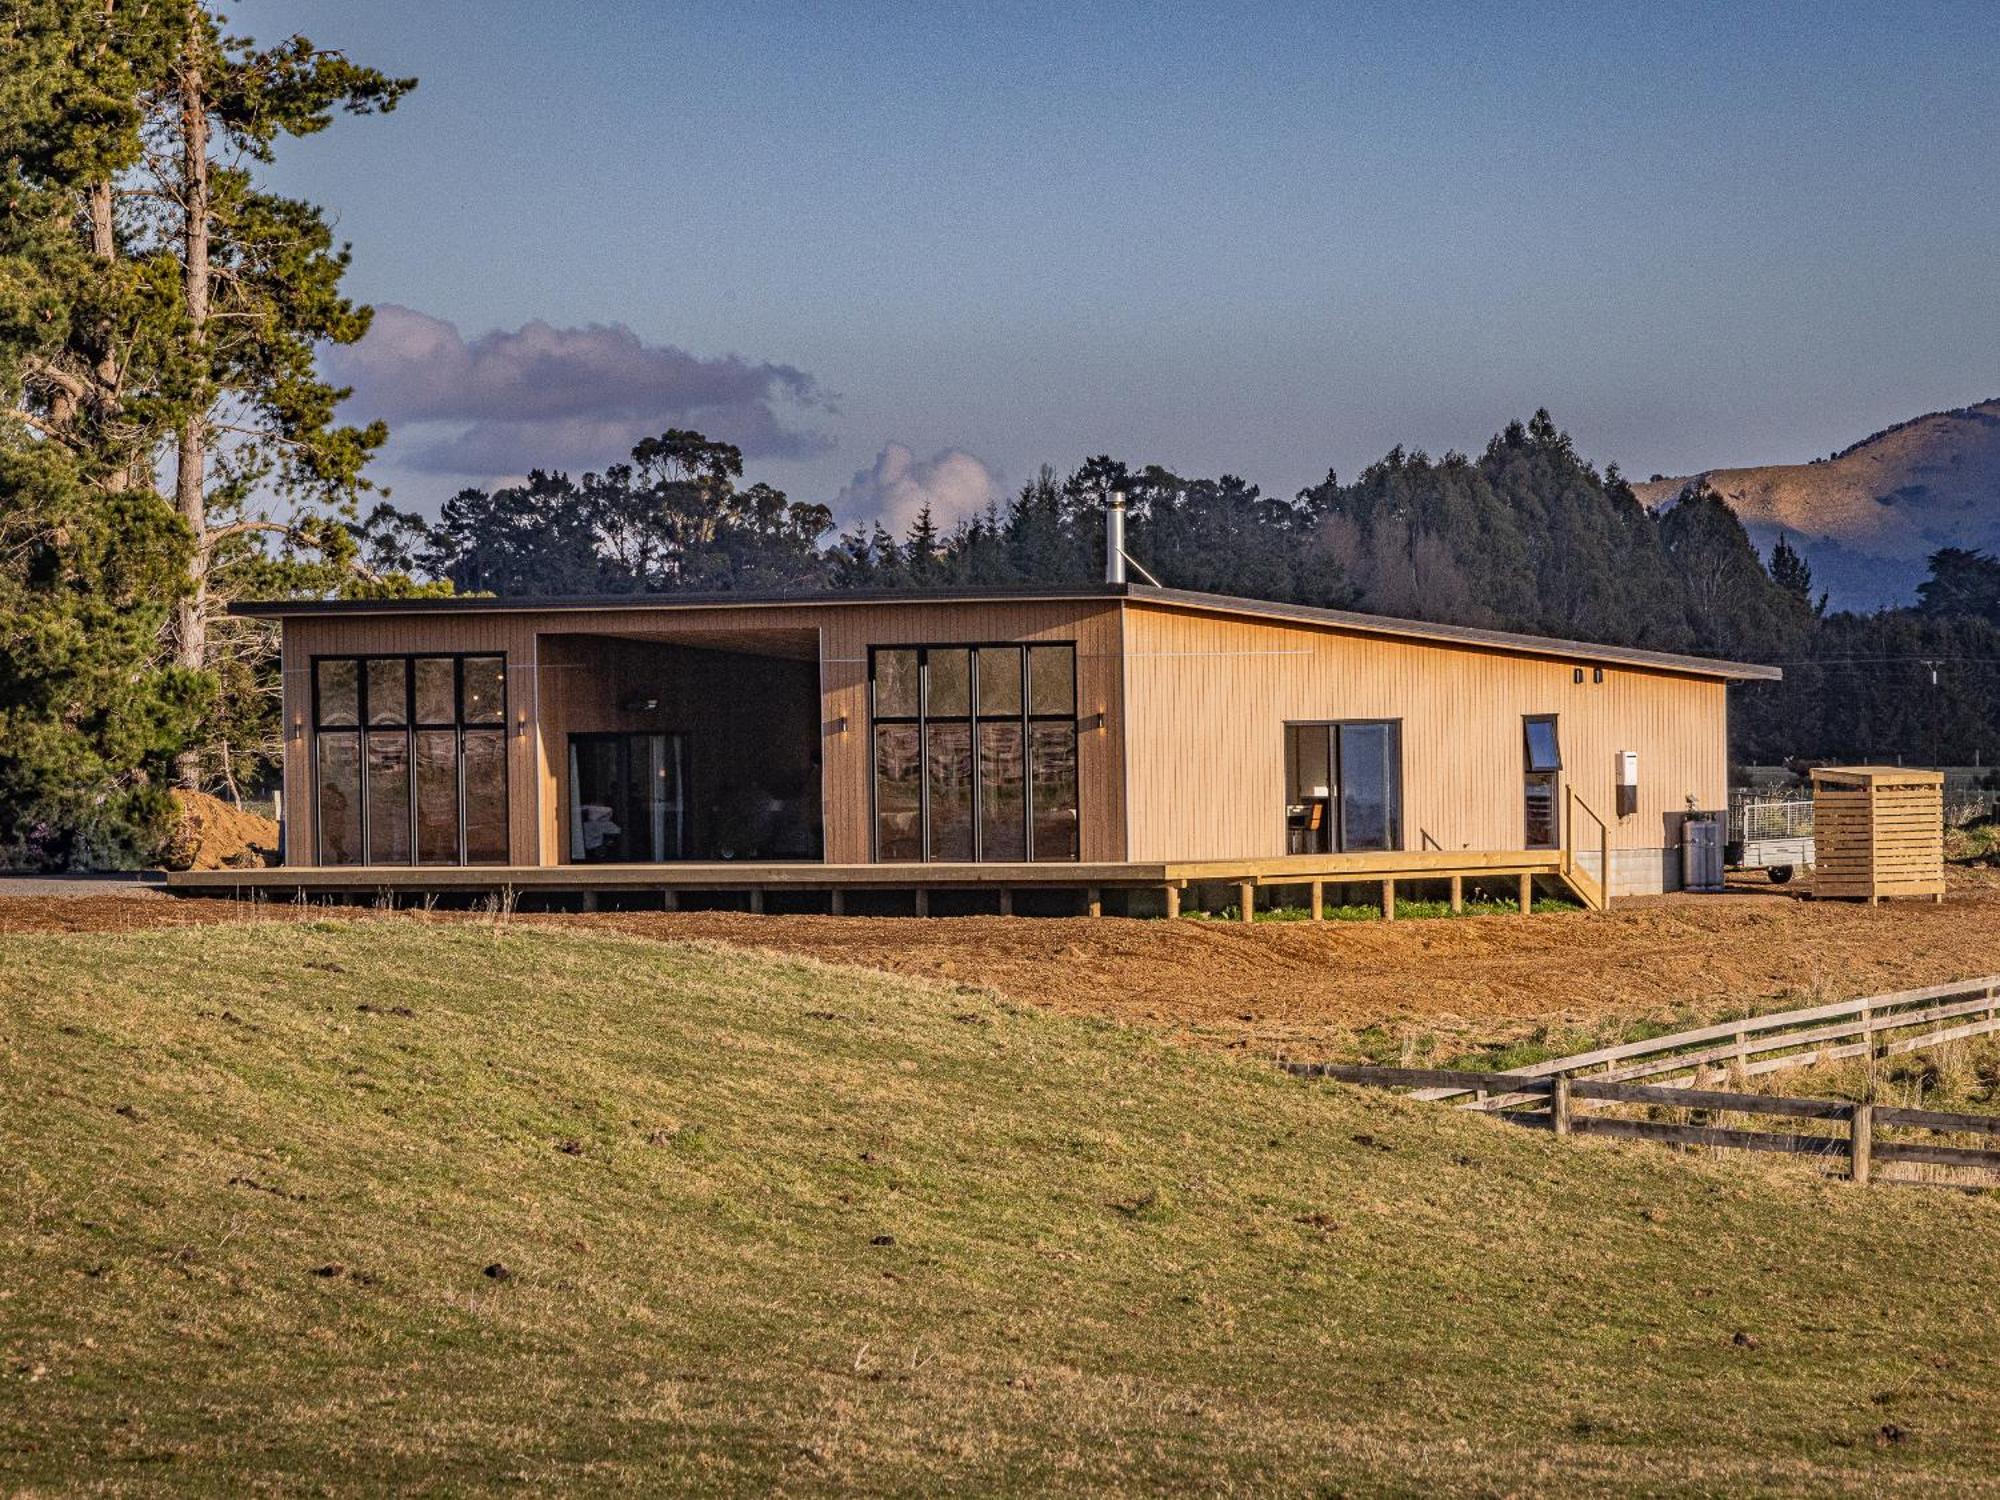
{"x":1861,"y":1144}
{"x":1457,"y":893}
{"x":1389,"y":899}
{"x":1527,"y":893}
{"x":923,"y":901}
{"x":1246,"y":900}
{"x":670,"y":900}
{"x":1093,"y":902}
{"x":1006,"y":901}
{"x":756,"y":900}
{"x":588,"y":900}
{"x":1319,"y":900}
{"x":1173,"y":900}
{"x":836,"y":902}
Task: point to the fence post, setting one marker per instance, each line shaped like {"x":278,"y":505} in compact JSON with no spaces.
{"x":1861,"y":1144}
{"x":1559,"y":1103}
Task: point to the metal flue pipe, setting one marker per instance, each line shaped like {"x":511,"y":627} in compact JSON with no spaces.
{"x":1114,"y":538}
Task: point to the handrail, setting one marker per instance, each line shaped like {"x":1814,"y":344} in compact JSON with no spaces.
{"x":1572,"y":804}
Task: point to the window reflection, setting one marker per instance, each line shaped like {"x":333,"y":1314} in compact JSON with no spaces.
{"x":975,"y":752}
{"x":409,"y":768}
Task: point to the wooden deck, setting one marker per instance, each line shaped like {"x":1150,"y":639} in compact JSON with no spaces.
{"x":1310,"y":875}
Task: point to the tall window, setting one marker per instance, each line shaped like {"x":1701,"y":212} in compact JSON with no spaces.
{"x":1542,"y":757}
{"x":1343,"y":786}
{"x":975,"y":752}
{"x":410,"y":759}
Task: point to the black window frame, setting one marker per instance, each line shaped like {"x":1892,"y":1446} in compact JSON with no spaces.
{"x":1336,"y":798}
{"x":1533,"y":776}
{"x":921,"y":721}
{"x":409,"y":727}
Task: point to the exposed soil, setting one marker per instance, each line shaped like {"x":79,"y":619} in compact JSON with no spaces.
{"x":1288,"y":986}
{"x":213,"y":835}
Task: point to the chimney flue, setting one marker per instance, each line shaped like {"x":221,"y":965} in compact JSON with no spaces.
{"x":1114,"y":538}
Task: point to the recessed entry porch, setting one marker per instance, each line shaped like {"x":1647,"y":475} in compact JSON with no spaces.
{"x":702,"y":747}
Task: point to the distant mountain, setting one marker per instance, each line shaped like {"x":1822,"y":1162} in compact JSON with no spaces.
{"x":1867,"y":517}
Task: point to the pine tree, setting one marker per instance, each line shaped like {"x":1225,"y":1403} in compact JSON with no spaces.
{"x":257,"y":448}
{"x":92,"y":560}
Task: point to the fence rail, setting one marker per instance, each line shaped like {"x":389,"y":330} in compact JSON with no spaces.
{"x":1756,"y":1045}
{"x":1558,"y":1095}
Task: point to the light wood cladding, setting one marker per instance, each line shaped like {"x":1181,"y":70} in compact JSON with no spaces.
{"x":1180,"y":710}
{"x":1877,"y":831}
{"x":543,"y":699}
{"x":1208,"y":696}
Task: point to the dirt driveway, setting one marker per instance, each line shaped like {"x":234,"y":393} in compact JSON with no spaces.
{"x":1291,"y":986}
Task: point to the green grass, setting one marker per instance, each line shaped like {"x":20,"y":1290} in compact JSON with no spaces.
{"x":1406,"y":907}
{"x":769,"y":1225}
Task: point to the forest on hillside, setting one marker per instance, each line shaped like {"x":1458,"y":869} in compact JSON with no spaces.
{"x":1526,"y":535}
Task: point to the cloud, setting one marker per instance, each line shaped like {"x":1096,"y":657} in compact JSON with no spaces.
{"x":560,"y":398}
{"x":954,"y":484}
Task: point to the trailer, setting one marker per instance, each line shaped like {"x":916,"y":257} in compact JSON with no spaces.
{"x":1775,"y":836}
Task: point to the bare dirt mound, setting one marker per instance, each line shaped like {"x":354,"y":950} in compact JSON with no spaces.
{"x":1294,"y":986}
{"x":212,"y":835}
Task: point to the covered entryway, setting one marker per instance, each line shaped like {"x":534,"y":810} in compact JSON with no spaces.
{"x":703,"y":747}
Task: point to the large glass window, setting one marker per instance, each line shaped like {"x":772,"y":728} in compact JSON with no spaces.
{"x":1343,"y":786}
{"x":975,"y":752}
{"x":410,"y":759}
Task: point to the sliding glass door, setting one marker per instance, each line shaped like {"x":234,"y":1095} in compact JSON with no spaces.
{"x":1343,"y":786}
{"x":410,"y":759}
{"x":626,"y":802}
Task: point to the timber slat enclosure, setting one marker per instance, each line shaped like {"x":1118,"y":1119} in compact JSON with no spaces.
{"x":1878,"y":831}
{"x":1558,"y":1095}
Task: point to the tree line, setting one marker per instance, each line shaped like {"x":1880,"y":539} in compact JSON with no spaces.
{"x":1525,"y":535}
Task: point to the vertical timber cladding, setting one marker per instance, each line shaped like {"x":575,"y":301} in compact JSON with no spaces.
{"x":547,"y":689}
{"x":1210,"y":695}
{"x":414,"y":635}
{"x":1094,"y":625}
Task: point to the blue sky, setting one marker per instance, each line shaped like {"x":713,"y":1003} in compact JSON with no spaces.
{"x":1264,"y":239}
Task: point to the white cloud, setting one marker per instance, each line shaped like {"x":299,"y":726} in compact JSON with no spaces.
{"x":955,"y":485}
{"x":559,"y":398}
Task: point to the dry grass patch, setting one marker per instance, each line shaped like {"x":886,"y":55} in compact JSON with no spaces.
{"x":358,"y":1206}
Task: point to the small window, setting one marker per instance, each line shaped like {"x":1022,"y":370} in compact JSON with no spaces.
{"x":895,"y":684}
{"x":999,"y":682}
{"x":388,"y":690}
{"x":339,"y":694}
{"x":1544,"y":754}
{"x":1051,"y":680}
{"x":437,"y":690}
{"x":949,"y":685}
{"x":486,"y":690}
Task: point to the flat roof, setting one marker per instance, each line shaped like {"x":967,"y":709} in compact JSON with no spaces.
{"x":1136,"y":593}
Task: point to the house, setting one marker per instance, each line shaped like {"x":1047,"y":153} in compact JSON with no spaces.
{"x":1117,"y":738}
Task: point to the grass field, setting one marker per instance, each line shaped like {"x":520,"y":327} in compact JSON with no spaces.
{"x":319,"y":1207}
